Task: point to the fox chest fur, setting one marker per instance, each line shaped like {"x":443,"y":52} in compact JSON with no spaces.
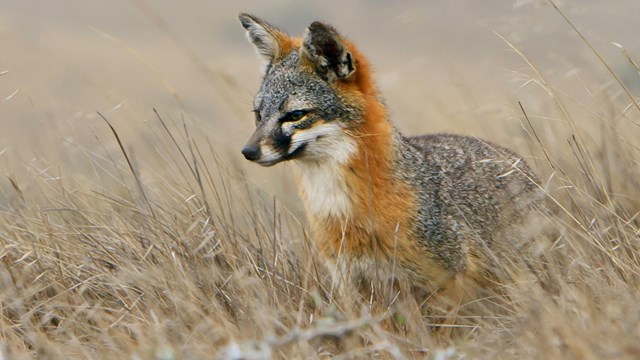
{"x":363,"y":215}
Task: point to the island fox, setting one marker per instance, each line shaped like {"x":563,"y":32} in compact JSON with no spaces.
{"x":423,"y":210}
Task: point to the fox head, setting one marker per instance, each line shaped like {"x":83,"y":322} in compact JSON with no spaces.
{"x":312,"y":96}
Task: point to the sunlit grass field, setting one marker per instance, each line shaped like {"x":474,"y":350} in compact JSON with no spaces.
{"x":142,"y":234}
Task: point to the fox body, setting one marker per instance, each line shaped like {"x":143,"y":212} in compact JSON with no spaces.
{"x":422,"y":209}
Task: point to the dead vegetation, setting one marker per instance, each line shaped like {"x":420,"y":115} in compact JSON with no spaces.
{"x":192,"y":260}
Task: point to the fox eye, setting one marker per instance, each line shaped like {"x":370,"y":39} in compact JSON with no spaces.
{"x":294,"y":115}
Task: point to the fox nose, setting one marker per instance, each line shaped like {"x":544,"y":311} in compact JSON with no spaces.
{"x":251,"y":152}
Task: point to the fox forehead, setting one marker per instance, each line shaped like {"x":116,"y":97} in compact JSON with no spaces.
{"x":287,"y":87}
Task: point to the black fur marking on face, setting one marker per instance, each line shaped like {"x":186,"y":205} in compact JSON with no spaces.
{"x":281,"y":142}
{"x":296,"y":153}
{"x":305,"y":124}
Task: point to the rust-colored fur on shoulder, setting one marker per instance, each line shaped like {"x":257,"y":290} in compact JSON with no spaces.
{"x":384,"y":209}
{"x":378,"y":205}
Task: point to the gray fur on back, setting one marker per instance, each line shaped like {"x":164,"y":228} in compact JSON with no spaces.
{"x":468,"y":190}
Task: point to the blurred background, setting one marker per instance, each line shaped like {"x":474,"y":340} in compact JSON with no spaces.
{"x":441,"y":65}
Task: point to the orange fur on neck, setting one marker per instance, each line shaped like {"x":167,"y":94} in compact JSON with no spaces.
{"x":381,"y":204}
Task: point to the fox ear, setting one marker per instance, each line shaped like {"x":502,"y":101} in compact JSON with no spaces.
{"x":327,"y":52}
{"x":270,"y":42}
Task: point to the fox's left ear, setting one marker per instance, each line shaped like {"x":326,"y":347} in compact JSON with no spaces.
{"x":324,"y":50}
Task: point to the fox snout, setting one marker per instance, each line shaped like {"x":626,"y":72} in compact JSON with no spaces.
{"x":266,"y":147}
{"x":322,"y":142}
{"x":268,"y":151}
{"x":258,"y":151}
{"x":251,"y":151}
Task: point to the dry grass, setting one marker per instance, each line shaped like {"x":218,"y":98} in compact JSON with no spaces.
{"x":184,"y":261}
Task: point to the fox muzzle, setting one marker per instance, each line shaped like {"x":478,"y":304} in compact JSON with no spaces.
{"x":251,"y":151}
